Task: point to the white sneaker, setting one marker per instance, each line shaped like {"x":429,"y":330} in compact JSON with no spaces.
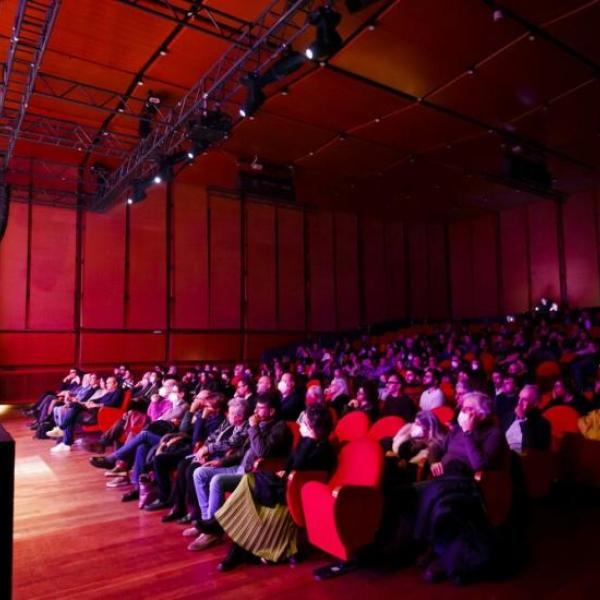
{"x":117,"y":482}
{"x":55,"y":433}
{"x":60,"y":448}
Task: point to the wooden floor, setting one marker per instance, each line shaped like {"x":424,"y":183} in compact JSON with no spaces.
{"x":73,"y":538}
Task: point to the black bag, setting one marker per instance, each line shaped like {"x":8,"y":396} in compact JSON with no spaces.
{"x":161,"y":427}
{"x":269,"y":489}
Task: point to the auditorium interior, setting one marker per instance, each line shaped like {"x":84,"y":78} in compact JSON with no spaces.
{"x":299,"y":298}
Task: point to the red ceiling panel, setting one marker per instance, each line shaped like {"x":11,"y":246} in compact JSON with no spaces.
{"x":523,"y":77}
{"x":275,"y":139}
{"x":540,"y":11}
{"x":416,"y":48}
{"x":334,"y":102}
{"x":416,"y":129}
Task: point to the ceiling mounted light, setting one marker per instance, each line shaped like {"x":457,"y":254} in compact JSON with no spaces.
{"x":327,"y":40}
{"x":289,"y":62}
{"x":255,"y":97}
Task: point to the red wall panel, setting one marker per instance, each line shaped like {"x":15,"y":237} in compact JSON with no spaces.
{"x":437,"y":271}
{"x":418,"y":277}
{"x":261,"y":267}
{"x":147,"y":285}
{"x":257,"y":343}
{"x":13,"y":268}
{"x":515,"y":275}
{"x":373,"y":254}
{"x":103,"y":277}
{"x":346,"y":270}
{"x":461,"y":268}
{"x":187,"y":347}
{"x":395,"y":261}
{"x":112,"y":348}
{"x":485,"y":267}
{"x":225,"y":263}
{"x":581,"y":250}
{"x":190,"y":257}
{"x":292,"y":289}
{"x":52,"y":285}
{"x":543,"y":249}
{"x":322,"y":288}
{"x":37,"y":349}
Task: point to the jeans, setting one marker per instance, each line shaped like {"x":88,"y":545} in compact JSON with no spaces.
{"x":69,"y":421}
{"x":211,"y":483}
{"x":136,"y":448}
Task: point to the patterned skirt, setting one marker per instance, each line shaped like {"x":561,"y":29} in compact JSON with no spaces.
{"x":268,"y":533}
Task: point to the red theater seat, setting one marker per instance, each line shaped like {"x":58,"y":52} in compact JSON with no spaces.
{"x":563,"y":419}
{"x":108,"y":416}
{"x":351,"y":427}
{"x":444,"y":415}
{"x":386,"y":427}
{"x":546,"y":374}
{"x":343,"y":515}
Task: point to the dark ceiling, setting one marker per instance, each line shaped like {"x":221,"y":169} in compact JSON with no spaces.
{"x":421,"y":103}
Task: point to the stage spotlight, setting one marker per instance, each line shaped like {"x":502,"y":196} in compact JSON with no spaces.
{"x":196,"y":149}
{"x":149,"y":109}
{"x":328,"y":40}
{"x":255,"y":97}
{"x":354,"y":6}
{"x":289,"y":62}
{"x":211,"y":127}
{"x":157,"y":179}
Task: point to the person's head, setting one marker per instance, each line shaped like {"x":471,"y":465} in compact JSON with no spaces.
{"x":93,"y":379}
{"x":314,"y":395}
{"x":478,"y":405}
{"x":497,"y":379}
{"x":509,"y":386}
{"x":529,"y":399}
{"x":238,"y":370}
{"x":318,"y":423}
{"x":286,"y":384}
{"x":214,"y":402}
{"x":426,"y":426}
{"x":172,"y":370}
{"x":393,"y":384}
{"x":410,"y":376}
{"x":237,"y":408}
{"x":243,"y":387}
{"x":264,"y":384}
{"x":460,"y":390}
{"x":431,"y":378}
{"x":337,"y":387}
{"x":266,"y":407}
{"x":111,"y":383}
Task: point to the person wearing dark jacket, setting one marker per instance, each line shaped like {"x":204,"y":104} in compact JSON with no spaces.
{"x":529,"y":429}
{"x":451,"y":518}
{"x":505,"y":402}
{"x":395,"y":402}
{"x":255,"y":516}
{"x":563,"y":394}
{"x":268,"y":437}
{"x":292,"y":402}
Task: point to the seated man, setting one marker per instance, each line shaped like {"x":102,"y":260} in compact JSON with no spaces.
{"x":529,"y":429}
{"x":112,"y":398}
{"x":267,"y":438}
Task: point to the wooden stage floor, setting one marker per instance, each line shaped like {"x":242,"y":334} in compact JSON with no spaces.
{"x":73,"y":538}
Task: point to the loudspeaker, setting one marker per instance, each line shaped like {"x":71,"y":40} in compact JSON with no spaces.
{"x":7,"y":491}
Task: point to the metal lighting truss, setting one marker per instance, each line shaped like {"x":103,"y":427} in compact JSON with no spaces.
{"x":274,"y":30}
{"x":30,"y":35}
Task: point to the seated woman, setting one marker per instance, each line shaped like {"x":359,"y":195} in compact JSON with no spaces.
{"x":564,"y":394}
{"x":365,"y":400}
{"x":451,"y":518}
{"x":255,"y":516}
{"x":417,"y":445}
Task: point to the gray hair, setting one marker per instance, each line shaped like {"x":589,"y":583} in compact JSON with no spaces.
{"x":483,"y":401}
{"x":237,"y":405}
{"x":533,"y":393}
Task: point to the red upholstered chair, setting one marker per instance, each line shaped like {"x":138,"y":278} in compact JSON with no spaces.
{"x":448,"y":391}
{"x":343,"y":514}
{"x":108,"y":416}
{"x":539,"y":472}
{"x":293,"y":495}
{"x":497,"y":492}
{"x":386,"y":427}
{"x":563,"y":419}
{"x":350,"y":427}
{"x":444,"y":415}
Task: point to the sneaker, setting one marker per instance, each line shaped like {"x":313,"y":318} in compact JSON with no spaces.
{"x":55,"y":433}
{"x":131,"y":496}
{"x":190,"y":532}
{"x":60,"y":448}
{"x":203,"y":541}
{"x":117,"y":482}
{"x":116,"y":471}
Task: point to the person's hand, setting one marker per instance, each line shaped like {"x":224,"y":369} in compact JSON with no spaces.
{"x":253,"y":421}
{"x":353,"y":403}
{"x":437,"y":469}
{"x":212,"y":463}
{"x":280,"y":474}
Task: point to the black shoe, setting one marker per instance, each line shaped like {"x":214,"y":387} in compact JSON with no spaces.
{"x":235,"y":557}
{"x":173,"y":515}
{"x":33,"y":426}
{"x":101,"y":462}
{"x":210,"y":526}
{"x":130,"y":496}
{"x":185,"y":520}
{"x":157,"y":504}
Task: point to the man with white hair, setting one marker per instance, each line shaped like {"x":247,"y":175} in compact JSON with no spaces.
{"x":529,"y":429}
{"x":337,"y":394}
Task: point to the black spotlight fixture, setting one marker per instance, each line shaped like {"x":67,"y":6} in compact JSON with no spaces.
{"x":355,"y":6}
{"x":149,"y":109}
{"x":289,"y":62}
{"x":209,"y":127}
{"x":255,"y":97}
{"x":327,"y":40}
{"x":138,"y":192}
